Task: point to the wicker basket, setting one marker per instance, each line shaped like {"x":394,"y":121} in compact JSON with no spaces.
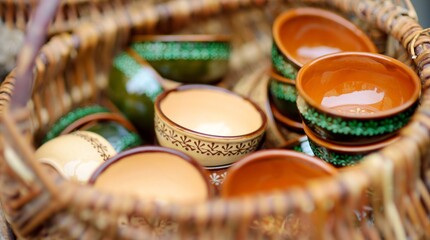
{"x":385,"y":197}
{"x":17,"y":13}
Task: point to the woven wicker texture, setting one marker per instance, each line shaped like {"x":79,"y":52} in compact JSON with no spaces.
{"x":384,"y":197}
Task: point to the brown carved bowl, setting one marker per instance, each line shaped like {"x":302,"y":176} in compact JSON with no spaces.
{"x":273,"y":170}
{"x":213,"y":125}
{"x":156,"y":173}
{"x":342,"y":155}
{"x":303,"y":34}
{"x":353,"y":98}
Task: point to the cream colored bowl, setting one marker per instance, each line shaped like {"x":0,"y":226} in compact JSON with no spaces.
{"x":76,"y":155}
{"x":211,"y":124}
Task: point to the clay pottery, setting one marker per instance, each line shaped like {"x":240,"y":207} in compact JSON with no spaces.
{"x":299,"y":144}
{"x":213,"y":125}
{"x":273,"y":170}
{"x":217,"y":176}
{"x":154,"y":173}
{"x":283,"y":94}
{"x":286,"y":122}
{"x":343,"y":155}
{"x":76,"y":155}
{"x":112,"y":126}
{"x":303,"y":34}
{"x":133,"y":88}
{"x":186,"y":58}
{"x":360,"y":98}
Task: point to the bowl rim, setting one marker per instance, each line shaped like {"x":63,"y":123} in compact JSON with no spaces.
{"x":154,"y":149}
{"x":298,"y":126}
{"x":349,"y":148}
{"x":377,"y":115}
{"x":262,"y":155}
{"x":316,"y":12}
{"x":279,"y":78}
{"x":182,"y":38}
{"x":261,"y":129}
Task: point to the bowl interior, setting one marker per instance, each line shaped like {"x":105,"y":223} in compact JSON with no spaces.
{"x":358,"y":84}
{"x":211,"y":111}
{"x":272,"y":170}
{"x":305,"y":34}
{"x":154,"y":175}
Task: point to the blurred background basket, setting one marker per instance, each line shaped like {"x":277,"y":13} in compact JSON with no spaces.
{"x":385,"y":197}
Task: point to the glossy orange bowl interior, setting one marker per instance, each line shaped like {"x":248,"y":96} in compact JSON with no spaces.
{"x":272,"y":170}
{"x":358,"y":85}
{"x":303,"y":34}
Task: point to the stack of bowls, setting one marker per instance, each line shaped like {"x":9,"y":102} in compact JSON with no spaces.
{"x":354,"y":103}
{"x":301,"y":35}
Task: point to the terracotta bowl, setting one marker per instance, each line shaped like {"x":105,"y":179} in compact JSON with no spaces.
{"x":303,"y":34}
{"x":213,"y":125}
{"x":272,"y":170}
{"x":283,"y":94}
{"x":342,"y":155}
{"x":154,"y":173}
{"x":76,"y":155}
{"x":356,"y":98}
{"x":186,"y":58}
{"x":289,"y":124}
{"x":217,"y":176}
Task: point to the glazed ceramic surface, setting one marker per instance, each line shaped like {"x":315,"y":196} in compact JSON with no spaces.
{"x":133,"y":88}
{"x":273,"y":170}
{"x":77,"y":155}
{"x":186,"y":58}
{"x":284,"y":96}
{"x":361,"y":97}
{"x":289,"y":124}
{"x":154,"y":173}
{"x":342,"y":155}
{"x":217,"y":176}
{"x":213,"y":125}
{"x":303,"y":34}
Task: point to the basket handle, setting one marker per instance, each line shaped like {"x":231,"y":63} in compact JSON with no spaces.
{"x":35,"y":37}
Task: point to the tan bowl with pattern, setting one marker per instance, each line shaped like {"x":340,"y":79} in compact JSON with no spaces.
{"x":213,"y":125}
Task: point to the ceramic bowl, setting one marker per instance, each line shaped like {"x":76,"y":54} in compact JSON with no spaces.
{"x":273,"y":170}
{"x":283,"y":94}
{"x":303,"y":34}
{"x":77,"y":155}
{"x":186,"y":58}
{"x":154,"y":173}
{"x":217,"y":176}
{"x":213,"y":125}
{"x":342,"y":155}
{"x":112,"y":126}
{"x":356,"y":98}
{"x":133,"y":87}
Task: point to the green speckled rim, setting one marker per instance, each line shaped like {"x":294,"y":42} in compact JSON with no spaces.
{"x":282,"y":65}
{"x":160,"y":50}
{"x":282,"y":88}
{"x":71,"y":117}
{"x":353,"y":127}
{"x":357,"y":56}
{"x":342,"y":155}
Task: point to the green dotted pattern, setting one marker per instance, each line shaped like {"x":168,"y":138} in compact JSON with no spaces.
{"x":158,"y":50}
{"x":134,"y":71}
{"x":336,"y":159}
{"x":128,"y":141}
{"x":283,"y":91}
{"x":71,"y":117}
{"x":338,"y":125}
{"x":282,"y":65}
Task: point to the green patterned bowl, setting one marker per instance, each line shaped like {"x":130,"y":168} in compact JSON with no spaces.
{"x":284,"y":95}
{"x":303,"y":34}
{"x":342,"y":155}
{"x":186,"y":58}
{"x":353,"y":98}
